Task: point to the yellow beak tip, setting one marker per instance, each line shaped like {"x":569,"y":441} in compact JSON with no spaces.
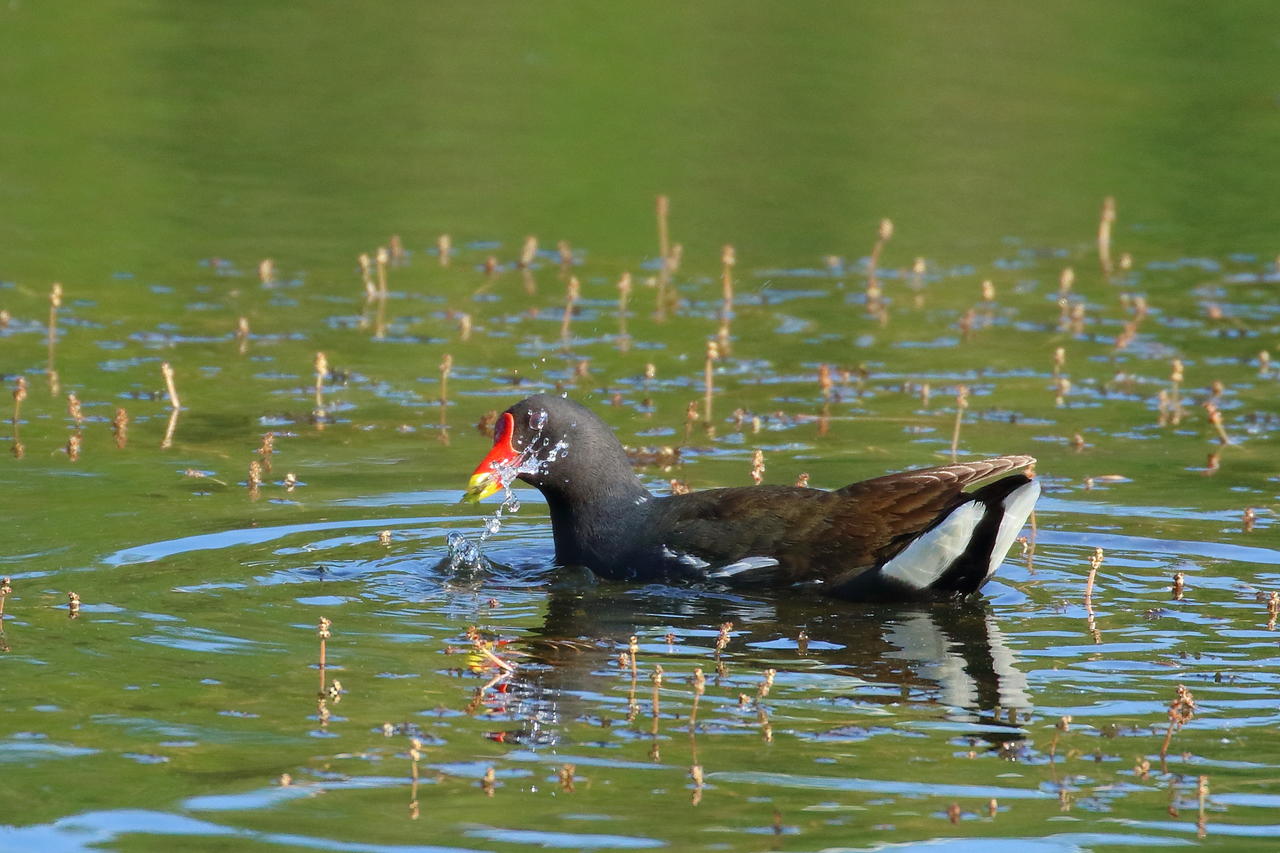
{"x":480,"y":487}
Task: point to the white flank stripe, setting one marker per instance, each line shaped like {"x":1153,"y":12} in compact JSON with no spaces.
{"x":1017,"y":506}
{"x":925,"y":559}
{"x":746,"y":564}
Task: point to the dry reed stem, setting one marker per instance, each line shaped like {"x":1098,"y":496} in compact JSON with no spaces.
{"x":446,"y":369}
{"x":663,"y":210}
{"x":170,"y":385}
{"x":565,"y":776}
{"x":690,"y":418}
{"x":918,"y":269}
{"x":444,"y":245}
{"x":120,"y":428}
{"x":667,"y":259}
{"x":1059,"y":728}
{"x":1066,"y":279}
{"x":1215,"y":420}
{"x":6,"y":590}
{"x":699,"y":687}
{"x":728,"y":258}
{"x":1105,"y":222}
{"x":1175,"y":402}
{"x":489,"y":782}
{"x":624,"y":296}
{"x":55,"y":302}
{"x":722,"y":641}
{"x":883,"y":234}
{"x":266,"y":449}
{"x":415,"y":755}
{"x":528,"y":252}
{"x":695,"y":774}
{"x":1062,"y":387}
{"x":572,"y":292}
{"x":323,"y":632}
{"x":19,"y":394}
{"x":366,"y":277}
{"x":962,"y":403}
{"x":382,"y":258}
{"x":1181,"y":710}
{"x":255,"y":478}
{"x":1202,"y":798}
{"x":713,"y":355}
{"x":321,"y":366}
{"x":170,"y":428}
{"x":1095,"y":563}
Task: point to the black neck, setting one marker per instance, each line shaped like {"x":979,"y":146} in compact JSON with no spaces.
{"x":595,"y":516}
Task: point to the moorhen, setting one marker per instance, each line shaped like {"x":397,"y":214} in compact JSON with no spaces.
{"x":911,"y":535}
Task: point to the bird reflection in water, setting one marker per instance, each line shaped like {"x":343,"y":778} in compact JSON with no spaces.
{"x":949,"y":654}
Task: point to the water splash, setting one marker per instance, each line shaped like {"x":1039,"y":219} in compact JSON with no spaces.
{"x":463,"y":553}
{"x":468,"y":554}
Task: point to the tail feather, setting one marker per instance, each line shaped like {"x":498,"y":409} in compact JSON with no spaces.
{"x":1007,"y":504}
{"x":960,"y":551}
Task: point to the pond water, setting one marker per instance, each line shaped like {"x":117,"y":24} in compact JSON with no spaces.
{"x":155,"y":155}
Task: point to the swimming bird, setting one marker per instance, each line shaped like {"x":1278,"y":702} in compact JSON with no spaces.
{"x":904,"y":536}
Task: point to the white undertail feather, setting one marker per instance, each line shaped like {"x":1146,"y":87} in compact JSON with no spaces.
{"x":1017,"y":506}
{"x":924,"y":560}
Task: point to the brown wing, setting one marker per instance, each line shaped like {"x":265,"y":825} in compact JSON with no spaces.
{"x":946,"y":478}
{"x":911,"y":500}
{"x":814,"y":533}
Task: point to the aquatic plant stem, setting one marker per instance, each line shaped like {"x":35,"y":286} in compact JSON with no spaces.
{"x":962,"y":403}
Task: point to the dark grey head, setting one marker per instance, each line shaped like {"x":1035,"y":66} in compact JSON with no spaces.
{"x":557,"y":445}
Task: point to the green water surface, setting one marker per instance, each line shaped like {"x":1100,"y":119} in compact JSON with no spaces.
{"x":153,"y":154}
